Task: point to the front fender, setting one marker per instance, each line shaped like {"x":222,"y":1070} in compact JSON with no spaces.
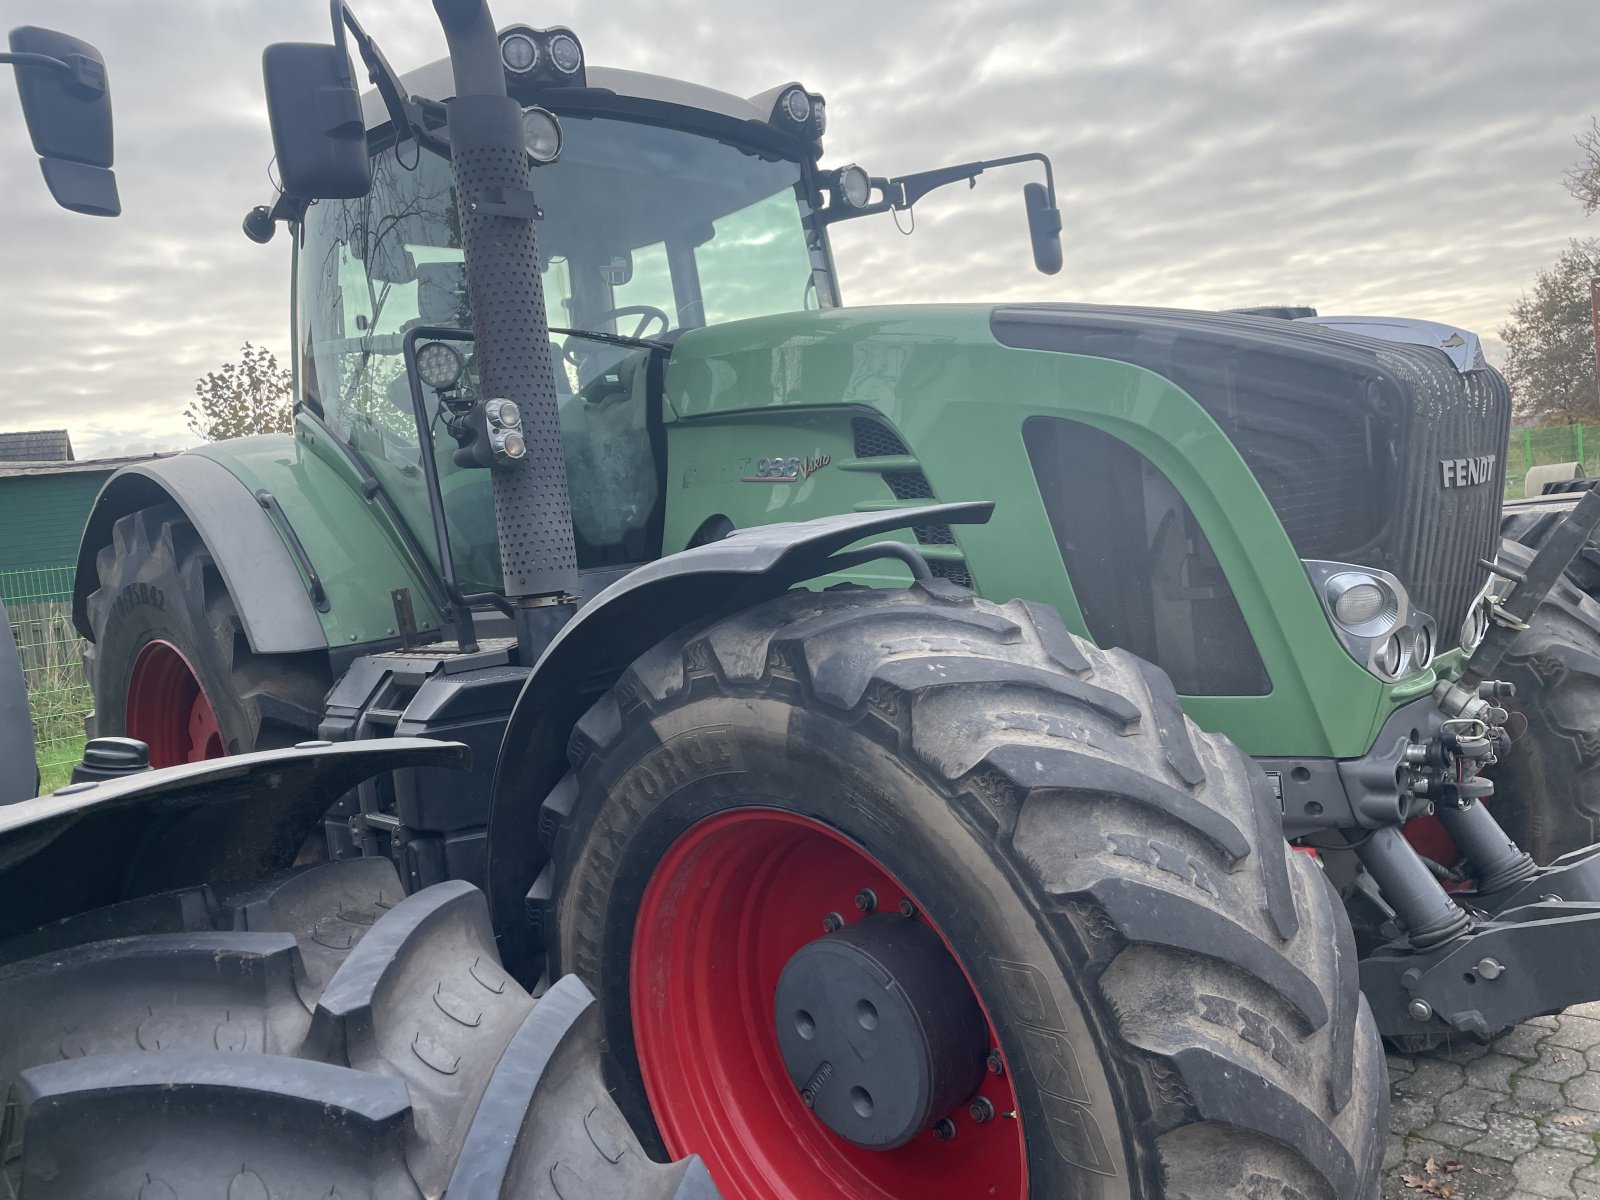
{"x":594,"y":648}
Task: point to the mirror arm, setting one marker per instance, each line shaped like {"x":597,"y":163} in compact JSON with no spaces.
{"x":901,"y":193}
{"x":404,"y":109}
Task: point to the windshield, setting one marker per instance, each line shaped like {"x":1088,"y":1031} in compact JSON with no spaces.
{"x":645,"y":230}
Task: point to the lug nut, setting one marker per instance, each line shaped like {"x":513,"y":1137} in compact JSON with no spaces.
{"x":981,"y":1110}
{"x":832,"y":923}
{"x":908,"y":910}
{"x":944,"y":1129}
{"x":997,"y":1065}
{"x":866,"y":900}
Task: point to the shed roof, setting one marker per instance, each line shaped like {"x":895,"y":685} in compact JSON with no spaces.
{"x":36,"y":445}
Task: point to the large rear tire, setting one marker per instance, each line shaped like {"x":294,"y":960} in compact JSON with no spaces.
{"x":1166,"y":995}
{"x":169,"y":662}
{"x":1547,"y":789}
{"x":318,"y":1034}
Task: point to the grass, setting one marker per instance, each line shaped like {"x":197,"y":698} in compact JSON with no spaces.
{"x":58,"y":695}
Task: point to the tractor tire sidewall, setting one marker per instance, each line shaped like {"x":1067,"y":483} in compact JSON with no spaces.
{"x":720,"y":753}
{"x":158,"y":583}
{"x":150,"y":601}
{"x":1547,"y":789}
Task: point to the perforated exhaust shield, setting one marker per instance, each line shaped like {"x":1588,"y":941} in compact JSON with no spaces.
{"x":533,"y":514}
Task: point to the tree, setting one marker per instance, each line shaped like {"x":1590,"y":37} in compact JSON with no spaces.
{"x":252,"y":395}
{"x":1583,"y":177}
{"x":1550,"y":342}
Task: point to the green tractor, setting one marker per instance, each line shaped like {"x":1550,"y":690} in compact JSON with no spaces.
{"x":880,"y":889}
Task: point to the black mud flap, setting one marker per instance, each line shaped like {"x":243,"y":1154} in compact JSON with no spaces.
{"x":240,"y":818}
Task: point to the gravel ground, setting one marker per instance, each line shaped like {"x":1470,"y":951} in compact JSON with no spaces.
{"x":1517,"y":1119}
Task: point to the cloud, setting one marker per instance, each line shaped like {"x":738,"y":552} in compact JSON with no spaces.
{"x":1360,"y":156}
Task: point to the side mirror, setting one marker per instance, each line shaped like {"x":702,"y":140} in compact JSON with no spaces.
{"x":318,"y":133}
{"x":1044,"y":228}
{"x":65,"y":101}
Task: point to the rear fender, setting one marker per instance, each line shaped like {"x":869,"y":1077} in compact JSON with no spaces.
{"x":321,"y":519}
{"x":274,"y":607}
{"x":223,"y":820}
{"x":594,"y":648}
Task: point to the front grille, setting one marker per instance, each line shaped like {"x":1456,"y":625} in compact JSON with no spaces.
{"x":1447,"y":530}
{"x":1345,"y":434}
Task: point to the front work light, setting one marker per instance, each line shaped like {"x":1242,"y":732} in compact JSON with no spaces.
{"x":541,"y":135}
{"x":565,"y":53}
{"x":519,"y":52}
{"x":440,"y":365}
{"x":852,"y":186}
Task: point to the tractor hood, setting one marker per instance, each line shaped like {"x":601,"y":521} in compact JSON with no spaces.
{"x":1342,"y":432}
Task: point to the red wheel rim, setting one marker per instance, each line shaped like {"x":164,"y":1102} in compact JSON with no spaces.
{"x":169,"y":711}
{"x":734,"y":897}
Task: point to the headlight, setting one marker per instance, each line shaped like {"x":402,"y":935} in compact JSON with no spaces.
{"x":439,"y":365}
{"x":1392,"y":656}
{"x":1475,"y":625}
{"x":797,"y":105}
{"x":1362,"y":603}
{"x":519,"y":52}
{"x":565,"y":53}
{"x":852,"y":186}
{"x":1422,"y":646}
{"x":1373,"y":619}
{"x":541,"y":135}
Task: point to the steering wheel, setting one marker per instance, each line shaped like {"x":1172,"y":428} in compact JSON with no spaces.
{"x":645,"y":312}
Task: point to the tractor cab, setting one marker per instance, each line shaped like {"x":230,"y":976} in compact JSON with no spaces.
{"x":663,"y":207}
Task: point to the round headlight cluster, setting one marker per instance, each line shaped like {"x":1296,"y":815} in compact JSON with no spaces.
{"x":440,"y":365}
{"x":519,"y":52}
{"x":541,"y":135}
{"x":1363,"y":604}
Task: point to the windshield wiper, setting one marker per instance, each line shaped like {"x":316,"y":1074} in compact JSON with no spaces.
{"x":614,"y":339}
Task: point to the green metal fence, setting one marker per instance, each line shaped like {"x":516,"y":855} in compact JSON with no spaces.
{"x":1550,"y":444}
{"x":39,"y":606}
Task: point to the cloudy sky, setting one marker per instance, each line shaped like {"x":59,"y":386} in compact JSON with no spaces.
{"x":1359,"y":155}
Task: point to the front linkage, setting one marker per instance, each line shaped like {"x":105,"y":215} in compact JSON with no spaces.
{"x":1516,"y":942}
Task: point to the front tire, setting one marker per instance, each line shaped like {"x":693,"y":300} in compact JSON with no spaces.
{"x":1170,"y":994}
{"x":169,"y":663}
{"x":1547,"y":789}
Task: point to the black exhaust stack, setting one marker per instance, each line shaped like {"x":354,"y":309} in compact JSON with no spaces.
{"x":533,"y":514}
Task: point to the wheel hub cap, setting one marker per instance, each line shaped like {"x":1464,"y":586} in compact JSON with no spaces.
{"x":879,"y":1031}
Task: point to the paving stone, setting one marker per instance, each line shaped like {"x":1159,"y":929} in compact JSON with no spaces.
{"x":1509,"y":1137}
{"x":1494,"y":1071}
{"x":1467,"y":1106}
{"x":1556,"y":1063}
{"x":1521,"y":1042}
{"x":1575,"y":1032}
{"x":1583,"y":1092}
{"x":1548,"y":1172}
{"x":1432,"y":1078}
{"x":1532,"y":1097}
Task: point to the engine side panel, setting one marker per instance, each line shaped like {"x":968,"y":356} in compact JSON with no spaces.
{"x":957,"y":401}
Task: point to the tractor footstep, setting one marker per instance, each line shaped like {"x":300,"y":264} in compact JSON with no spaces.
{"x":547,"y":1128}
